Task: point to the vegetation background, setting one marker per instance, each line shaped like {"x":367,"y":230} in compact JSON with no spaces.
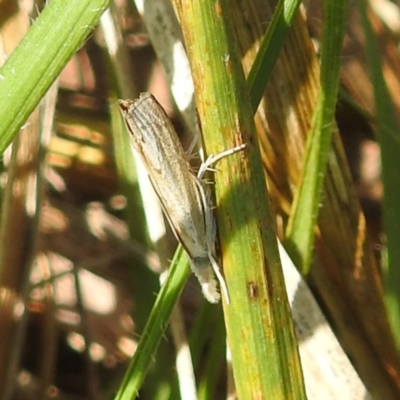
{"x":80,"y":262}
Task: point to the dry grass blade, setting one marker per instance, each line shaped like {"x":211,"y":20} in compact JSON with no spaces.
{"x":346,"y":263}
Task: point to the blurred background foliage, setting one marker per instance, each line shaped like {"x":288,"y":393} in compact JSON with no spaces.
{"x":78,"y":268}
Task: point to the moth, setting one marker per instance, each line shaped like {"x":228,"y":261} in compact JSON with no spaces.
{"x":183,"y":196}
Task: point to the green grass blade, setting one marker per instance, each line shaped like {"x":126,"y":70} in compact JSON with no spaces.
{"x":300,"y":231}
{"x":270,"y":48}
{"x":389,"y":139}
{"x":214,"y":364}
{"x":258,"y":321}
{"x":155,"y":327}
{"x":55,"y":36}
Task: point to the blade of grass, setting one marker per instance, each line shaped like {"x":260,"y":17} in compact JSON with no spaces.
{"x":247,"y":235}
{"x":343,"y":244}
{"x":270,"y":48}
{"x":213,"y":366}
{"x":389,"y":139}
{"x":29,"y":71}
{"x":300,"y":231}
{"x":155,"y":327}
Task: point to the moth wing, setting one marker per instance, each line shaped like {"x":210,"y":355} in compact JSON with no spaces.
{"x":181,"y":236}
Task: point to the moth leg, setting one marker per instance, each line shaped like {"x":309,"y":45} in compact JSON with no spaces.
{"x":209,"y":216}
{"x":211,"y":232}
{"x":212,"y":159}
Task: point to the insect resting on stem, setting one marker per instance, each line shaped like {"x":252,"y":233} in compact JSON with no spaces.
{"x":183,"y":196}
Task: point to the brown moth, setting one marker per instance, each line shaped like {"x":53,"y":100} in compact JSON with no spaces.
{"x":182,"y":194}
